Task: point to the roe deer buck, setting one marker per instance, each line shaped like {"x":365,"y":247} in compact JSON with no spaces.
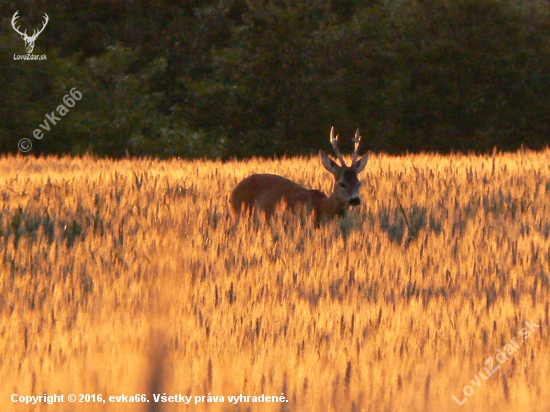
{"x":265,"y":191}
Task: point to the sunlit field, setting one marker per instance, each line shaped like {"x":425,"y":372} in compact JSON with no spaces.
{"x":132,"y":277}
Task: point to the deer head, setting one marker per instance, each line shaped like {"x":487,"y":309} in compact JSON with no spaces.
{"x":346,"y":183}
{"x":29,"y":40}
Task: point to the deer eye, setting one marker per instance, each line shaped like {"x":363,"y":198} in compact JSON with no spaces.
{"x":342,"y":184}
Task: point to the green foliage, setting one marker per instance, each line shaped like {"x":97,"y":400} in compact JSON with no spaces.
{"x":471,"y":75}
{"x":267,"y":78}
{"x":270,"y":77}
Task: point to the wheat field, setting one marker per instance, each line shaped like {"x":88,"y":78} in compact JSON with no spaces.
{"x":132,"y":277}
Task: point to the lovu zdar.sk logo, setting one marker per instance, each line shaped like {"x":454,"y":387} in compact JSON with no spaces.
{"x":29,"y":40}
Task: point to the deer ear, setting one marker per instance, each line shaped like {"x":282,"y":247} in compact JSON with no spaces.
{"x":329,"y":164}
{"x":361,"y":163}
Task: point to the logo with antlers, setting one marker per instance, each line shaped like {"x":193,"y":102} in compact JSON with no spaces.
{"x":29,"y":40}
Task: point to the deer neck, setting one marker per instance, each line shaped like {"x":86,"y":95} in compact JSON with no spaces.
{"x":334,"y":206}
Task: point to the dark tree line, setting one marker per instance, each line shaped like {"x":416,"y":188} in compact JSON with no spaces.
{"x":250,"y":77}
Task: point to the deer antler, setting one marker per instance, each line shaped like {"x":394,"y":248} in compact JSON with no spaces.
{"x":14,"y":18}
{"x":35,"y":32}
{"x":334,"y":143}
{"x":356,"y":140}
